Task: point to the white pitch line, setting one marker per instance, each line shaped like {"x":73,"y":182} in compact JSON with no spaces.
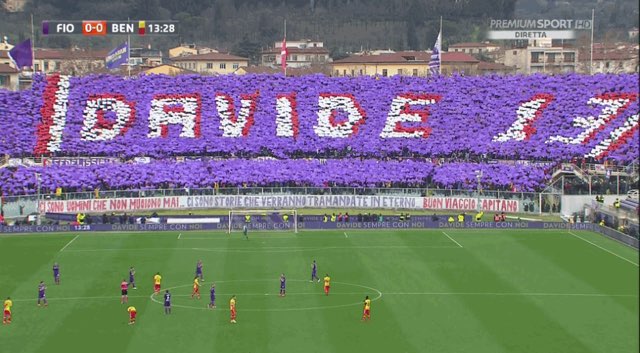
{"x":69,"y":243}
{"x":79,"y":298}
{"x":452,"y":239}
{"x":272,"y":249}
{"x":179,"y":235}
{"x":229,"y":238}
{"x":345,"y":234}
{"x":320,"y":293}
{"x":513,"y":294}
{"x":600,"y":247}
{"x":113,"y":297}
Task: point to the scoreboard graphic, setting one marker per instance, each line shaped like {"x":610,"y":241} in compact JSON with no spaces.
{"x":103,"y":28}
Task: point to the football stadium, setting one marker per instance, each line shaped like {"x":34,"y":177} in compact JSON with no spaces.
{"x":279,"y":210}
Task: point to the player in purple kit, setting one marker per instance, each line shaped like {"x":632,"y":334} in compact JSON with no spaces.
{"x":199,"y":270}
{"x":314,"y":271}
{"x":283,"y":285}
{"x":56,"y":273}
{"x":212,"y":292}
{"x":41,"y":295}
{"x":132,"y":273}
{"x":167,"y":302}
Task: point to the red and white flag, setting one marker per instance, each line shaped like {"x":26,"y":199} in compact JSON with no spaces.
{"x":283,"y":55}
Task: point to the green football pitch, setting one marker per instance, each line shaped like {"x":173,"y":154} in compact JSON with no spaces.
{"x":454,"y":291}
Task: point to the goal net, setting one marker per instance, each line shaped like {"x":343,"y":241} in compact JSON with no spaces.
{"x":263,"y":220}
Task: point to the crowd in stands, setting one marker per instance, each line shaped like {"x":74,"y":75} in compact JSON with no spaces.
{"x":415,"y":132}
{"x":244,"y":173}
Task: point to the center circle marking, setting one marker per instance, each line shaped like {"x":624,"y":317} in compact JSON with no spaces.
{"x":154,"y":299}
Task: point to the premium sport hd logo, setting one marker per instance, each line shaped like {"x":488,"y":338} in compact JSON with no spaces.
{"x":536,"y":28}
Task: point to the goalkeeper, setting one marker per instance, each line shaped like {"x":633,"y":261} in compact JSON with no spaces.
{"x":245,"y":231}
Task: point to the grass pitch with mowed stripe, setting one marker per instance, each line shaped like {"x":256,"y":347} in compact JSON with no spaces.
{"x":459,"y":291}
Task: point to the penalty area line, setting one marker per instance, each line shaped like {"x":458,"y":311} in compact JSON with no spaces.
{"x":453,"y":240}
{"x":69,"y":243}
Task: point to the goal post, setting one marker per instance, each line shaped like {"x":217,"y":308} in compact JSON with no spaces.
{"x":263,"y":220}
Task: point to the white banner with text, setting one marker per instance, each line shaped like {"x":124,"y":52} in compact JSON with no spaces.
{"x":277,"y":202}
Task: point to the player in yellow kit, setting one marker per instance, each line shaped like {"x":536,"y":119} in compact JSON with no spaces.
{"x":327,"y":284}
{"x":196,"y":288}
{"x":157,"y":279}
{"x":366,"y":313}
{"x":6,"y":317}
{"x":132,"y":314}
{"x":232,"y":306}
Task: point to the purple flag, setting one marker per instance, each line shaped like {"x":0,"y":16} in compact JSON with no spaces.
{"x":118,"y":56}
{"x":22,"y":55}
{"x":436,"y":59}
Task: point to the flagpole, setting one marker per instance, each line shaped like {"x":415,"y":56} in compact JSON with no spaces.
{"x":128,"y":52}
{"x":593,"y":14}
{"x":285,"y":38}
{"x":33,"y":52}
{"x":440,"y":53}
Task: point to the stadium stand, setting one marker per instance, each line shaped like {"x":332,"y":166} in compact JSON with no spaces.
{"x":268,"y":130}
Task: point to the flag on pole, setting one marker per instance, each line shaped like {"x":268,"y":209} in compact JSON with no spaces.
{"x":283,"y":55}
{"x":22,"y":55}
{"x":118,"y":56}
{"x":436,"y":58}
